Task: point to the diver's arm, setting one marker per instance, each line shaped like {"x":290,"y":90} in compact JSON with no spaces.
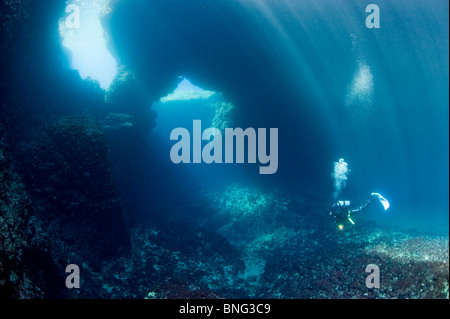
{"x":361,"y":208}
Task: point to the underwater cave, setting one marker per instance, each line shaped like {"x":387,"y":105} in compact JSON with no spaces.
{"x":92,"y":91}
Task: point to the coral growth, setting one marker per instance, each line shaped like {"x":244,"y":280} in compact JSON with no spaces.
{"x":24,"y":247}
{"x":67,"y":172}
{"x":223,"y":116}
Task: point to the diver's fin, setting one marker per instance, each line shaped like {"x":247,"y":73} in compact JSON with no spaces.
{"x":382,"y":200}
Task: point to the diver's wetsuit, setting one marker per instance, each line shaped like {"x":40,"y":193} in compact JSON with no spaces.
{"x":360,"y":208}
{"x":341,"y":212}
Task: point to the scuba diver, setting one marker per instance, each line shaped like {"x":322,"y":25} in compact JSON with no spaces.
{"x":342,"y":213}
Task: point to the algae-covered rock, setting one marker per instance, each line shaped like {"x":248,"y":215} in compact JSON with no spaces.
{"x":125,"y":95}
{"x":24,"y":255}
{"x":67,"y":170}
{"x":223,"y":116}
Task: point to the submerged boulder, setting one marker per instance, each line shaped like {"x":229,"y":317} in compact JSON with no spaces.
{"x":66,"y":168}
{"x":25,"y":261}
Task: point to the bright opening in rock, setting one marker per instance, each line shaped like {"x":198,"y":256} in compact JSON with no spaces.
{"x":187,"y":91}
{"x":83,"y":35}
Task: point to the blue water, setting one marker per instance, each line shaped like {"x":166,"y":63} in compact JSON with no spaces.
{"x":335,"y":89}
